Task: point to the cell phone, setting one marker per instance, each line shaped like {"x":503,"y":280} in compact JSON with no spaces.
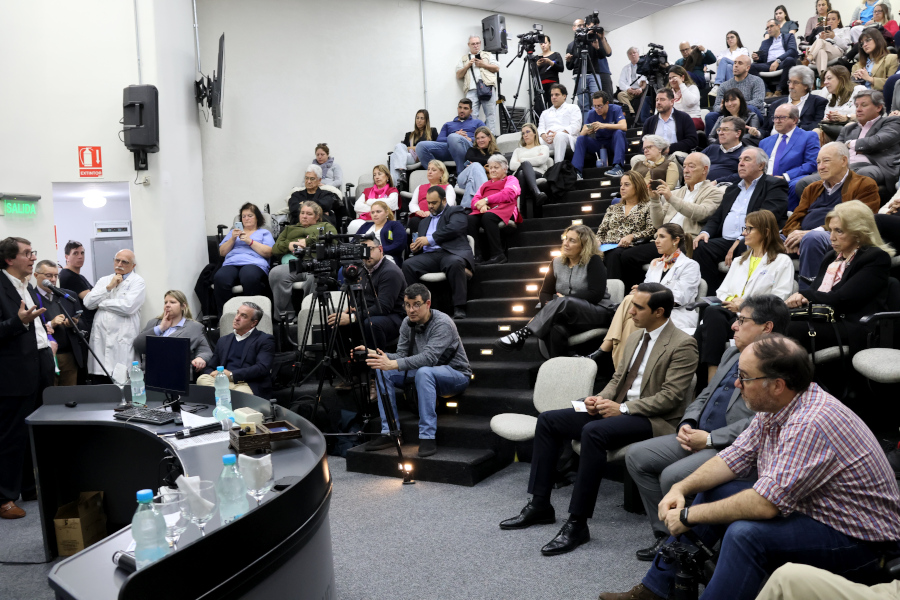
{"x":238,"y":225}
{"x":821,"y":20}
{"x":655,"y":183}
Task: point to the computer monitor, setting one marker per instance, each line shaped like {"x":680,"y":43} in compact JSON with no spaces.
{"x":168,"y":364}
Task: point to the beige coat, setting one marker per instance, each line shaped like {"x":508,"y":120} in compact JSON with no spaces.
{"x":705,"y":203}
{"x":486,"y":76}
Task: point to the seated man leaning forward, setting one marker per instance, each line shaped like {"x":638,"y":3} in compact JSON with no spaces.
{"x":430,"y":353}
{"x":645,"y":398}
{"x":826,"y":495}
{"x":246,"y":354}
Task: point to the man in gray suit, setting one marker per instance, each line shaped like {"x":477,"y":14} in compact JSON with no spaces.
{"x":712,"y":422}
{"x":872,"y":142}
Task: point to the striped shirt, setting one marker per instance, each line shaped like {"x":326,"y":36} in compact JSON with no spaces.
{"x":816,"y":457}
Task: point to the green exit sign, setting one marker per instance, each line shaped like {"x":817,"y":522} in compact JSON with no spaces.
{"x":11,"y":207}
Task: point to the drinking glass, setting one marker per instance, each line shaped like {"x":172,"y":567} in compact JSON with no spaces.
{"x":176,"y":510}
{"x":203,"y":507}
{"x":259,"y":476}
{"x":120,"y":378}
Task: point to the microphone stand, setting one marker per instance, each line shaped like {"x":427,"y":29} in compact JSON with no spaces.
{"x":81,"y":334}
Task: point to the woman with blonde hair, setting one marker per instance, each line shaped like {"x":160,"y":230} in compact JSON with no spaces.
{"x":840,"y":91}
{"x":474,"y":175}
{"x":436,"y":174}
{"x":574,"y":285}
{"x":176,"y":321}
{"x":382,"y":190}
{"x":390,"y":234}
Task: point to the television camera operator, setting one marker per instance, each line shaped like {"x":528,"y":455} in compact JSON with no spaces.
{"x":589,"y":35}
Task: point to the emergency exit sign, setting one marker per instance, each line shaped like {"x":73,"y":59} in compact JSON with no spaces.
{"x":11,"y":207}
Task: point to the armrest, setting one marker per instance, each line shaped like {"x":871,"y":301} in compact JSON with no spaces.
{"x":879,"y":317}
{"x":220,"y":235}
{"x":881,"y":329}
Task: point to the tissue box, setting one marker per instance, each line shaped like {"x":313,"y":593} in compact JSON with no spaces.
{"x":79,"y":524}
{"x":247,"y":415}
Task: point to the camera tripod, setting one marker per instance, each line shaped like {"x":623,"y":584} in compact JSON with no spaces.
{"x":586,"y":66}
{"x":351,"y":296}
{"x":638,"y":121}
{"x":535,"y":88}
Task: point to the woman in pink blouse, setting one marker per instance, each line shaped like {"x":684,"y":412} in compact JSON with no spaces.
{"x":496,"y":202}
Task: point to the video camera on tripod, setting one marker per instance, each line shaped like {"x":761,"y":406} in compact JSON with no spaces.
{"x":694,"y":564}
{"x":529,"y":39}
{"x":590,"y":29}
{"x":324,"y":258}
{"x":653,"y":66}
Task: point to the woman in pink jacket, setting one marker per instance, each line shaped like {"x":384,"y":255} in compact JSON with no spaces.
{"x":496,"y":202}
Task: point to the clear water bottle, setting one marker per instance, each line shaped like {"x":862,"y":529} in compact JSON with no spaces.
{"x":148,"y":528}
{"x":138,"y":393}
{"x":231,"y":491}
{"x":223,"y":408}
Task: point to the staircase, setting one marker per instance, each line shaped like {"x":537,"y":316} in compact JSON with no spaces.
{"x":502,"y":298}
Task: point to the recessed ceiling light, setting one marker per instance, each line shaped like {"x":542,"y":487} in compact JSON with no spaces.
{"x":94,"y":201}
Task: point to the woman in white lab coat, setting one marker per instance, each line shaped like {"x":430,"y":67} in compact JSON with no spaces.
{"x":117,"y":298}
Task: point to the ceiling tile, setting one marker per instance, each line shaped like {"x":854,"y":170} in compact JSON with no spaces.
{"x":638,"y":10}
{"x":551,"y":11}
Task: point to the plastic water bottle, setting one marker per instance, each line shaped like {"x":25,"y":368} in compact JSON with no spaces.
{"x":231,"y":491}
{"x":148,"y":528}
{"x":223,"y":408}
{"x":138,"y":393}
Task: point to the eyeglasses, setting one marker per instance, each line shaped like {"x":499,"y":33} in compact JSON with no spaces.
{"x":123,"y":262}
{"x":310,"y":178}
{"x":725,"y":129}
{"x":415,"y":306}
{"x":742,"y":319}
{"x":744,"y":380}
{"x":780,"y":117}
{"x":48,"y":275}
{"x":747,"y":229}
{"x":29,"y":254}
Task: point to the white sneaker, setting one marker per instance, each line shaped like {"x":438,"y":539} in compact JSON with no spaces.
{"x":515,"y":340}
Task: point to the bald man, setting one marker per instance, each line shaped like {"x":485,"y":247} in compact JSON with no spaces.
{"x":117,"y":299}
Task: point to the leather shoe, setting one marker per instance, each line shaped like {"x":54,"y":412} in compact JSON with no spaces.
{"x":427,"y":448}
{"x":569,"y":537}
{"x":638,"y":592}
{"x":650,"y":553}
{"x":380,"y":443}
{"x":11,"y":511}
{"x":530,"y":515}
{"x":459,"y":313}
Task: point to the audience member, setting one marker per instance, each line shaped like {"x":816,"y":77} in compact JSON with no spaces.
{"x":657,"y":165}
{"x":332,"y":174}
{"x":888,"y":221}
{"x":474,"y":175}
{"x":441,"y":245}
{"x":530,"y":159}
{"x":864,"y":12}
{"x":631,"y":85}
{"x":26,"y":370}
{"x":763,"y":269}
{"x":777,"y":51}
{"x":69,"y":349}
{"x":839,"y":91}
{"x":810,"y":107}
{"x":383,"y":189}
{"x":784,"y":21}
{"x":881,"y":16}
{"x":805,"y":228}
{"x":455,"y":138}
{"x":550,"y":65}
{"x":604,"y":129}
{"x":694,"y":60}
{"x":734,"y":106}
{"x":852,"y":280}
{"x":570,"y":295}
{"x":734,"y":47}
{"x":829,"y":43}
{"x":815,"y":459}
{"x":560,"y":123}
{"x":791,"y":581}
{"x":70,"y":277}
{"x":246,"y":353}
{"x":675,"y":270}
{"x":436,"y":174}
{"x":431,"y":354}
{"x":591,"y":81}
{"x":625,"y":222}
{"x":687,"y":95}
{"x":495,"y":203}
{"x":724,"y":155}
{"x":247,"y":250}
{"x":645,"y":398}
{"x":389,"y":233}
{"x":281,"y":278}
{"x":750,"y":86}
{"x":721,"y":237}
{"x":711,"y":423}
{"x":314,"y":192}
{"x":176,"y":321}
{"x":118,"y":299}
{"x":792,"y":151}
{"x":404,"y":153}
{"x":673,"y":125}
{"x":874,"y":63}
{"x":818,"y":21}
{"x":485,"y":108}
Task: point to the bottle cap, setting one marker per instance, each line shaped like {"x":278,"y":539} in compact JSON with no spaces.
{"x":220,"y":369}
{"x":228,"y":459}
{"x":145,"y":496}
{"x":135,"y":363}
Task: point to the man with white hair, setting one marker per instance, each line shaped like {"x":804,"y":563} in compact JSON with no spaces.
{"x":631,"y":85}
{"x":312,"y":180}
{"x":474,"y":66}
{"x":118,"y":299}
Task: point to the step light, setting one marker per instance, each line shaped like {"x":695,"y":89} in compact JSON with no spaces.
{"x":452,"y":404}
{"x":555,"y":253}
{"x":518,"y":308}
{"x":487,"y":352}
{"x":605,"y":183}
{"x":577,"y":222}
{"x":635,"y":142}
{"x":544,"y":269}
{"x":531,"y":287}
{"x":588,"y":207}
{"x":407,"y":473}
{"x":504,"y":328}
{"x":640,"y":132}
{"x":594,"y":195}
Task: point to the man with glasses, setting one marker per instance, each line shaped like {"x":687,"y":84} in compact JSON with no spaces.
{"x":312,"y":180}
{"x":792,"y":151}
{"x":117,"y":299}
{"x":604,"y":129}
{"x":776,"y":52}
{"x":724,"y":156}
{"x":712,"y":422}
{"x":825,"y":495}
{"x":431,"y":356}
{"x":69,"y":350}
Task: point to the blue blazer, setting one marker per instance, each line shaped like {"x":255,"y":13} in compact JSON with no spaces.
{"x":790,"y":48}
{"x":393,"y":238}
{"x":256,"y":361}
{"x":798,"y":160}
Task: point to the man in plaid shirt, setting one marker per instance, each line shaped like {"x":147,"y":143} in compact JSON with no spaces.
{"x":826,"y":495}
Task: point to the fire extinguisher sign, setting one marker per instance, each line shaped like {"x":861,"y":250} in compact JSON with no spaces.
{"x":90,"y":161}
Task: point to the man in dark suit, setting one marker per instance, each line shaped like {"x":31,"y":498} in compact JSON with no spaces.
{"x":712,"y":422}
{"x":792,"y":151}
{"x":721,"y":237}
{"x":645,"y":398}
{"x":26,"y":369}
{"x":246,"y":354}
{"x":778,"y":51}
{"x":442,"y":246}
{"x":811,"y":106}
{"x":69,"y":347}
{"x":674,"y":125}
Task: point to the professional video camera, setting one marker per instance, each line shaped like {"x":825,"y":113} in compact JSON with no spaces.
{"x":590,"y":28}
{"x":694,"y":564}
{"x":324,"y":257}
{"x":653,"y":65}
{"x":529,"y":39}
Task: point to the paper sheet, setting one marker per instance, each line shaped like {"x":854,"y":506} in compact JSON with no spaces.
{"x":205,"y":438}
{"x":192,"y":420}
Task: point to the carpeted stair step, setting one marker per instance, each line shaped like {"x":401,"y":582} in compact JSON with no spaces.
{"x":551,"y":223}
{"x":511,"y":270}
{"x":499,"y":308}
{"x":473,"y":327}
{"x":582,"y":197}
{"x":483,"y":349}
{"x":533,"y":253}
{"x":510,"y":288}
{"x":518,"y":375}
{"x":494,"y":401}
{"x":538,"y":238}
{"x":595,"y":184}
{"x":578,"y":209}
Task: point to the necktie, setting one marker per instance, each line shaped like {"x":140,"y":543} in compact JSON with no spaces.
{"x":779,"y":152}
{"x":633,"y":371}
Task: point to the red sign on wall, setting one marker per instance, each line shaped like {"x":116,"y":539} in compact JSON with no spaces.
{"x":90,"y":161}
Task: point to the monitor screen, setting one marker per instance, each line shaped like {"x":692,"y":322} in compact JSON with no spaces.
{"x":168,"y":364}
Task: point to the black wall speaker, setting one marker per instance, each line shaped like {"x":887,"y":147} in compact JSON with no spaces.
{"x":493,"y":34}
{"x":140,"y":105}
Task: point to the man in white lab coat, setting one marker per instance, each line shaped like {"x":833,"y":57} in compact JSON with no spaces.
{"x":118,"y":299}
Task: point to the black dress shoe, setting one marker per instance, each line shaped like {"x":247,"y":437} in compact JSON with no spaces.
{"x":648,"y":554}
{"x":380,"y":443}
{"x":541,"y":199}
{"x":427,"y":448}
{"x":500,"y":259}
{"x":529,"y":516}
{"x":459,"y":313}
{"x":569,"y":537}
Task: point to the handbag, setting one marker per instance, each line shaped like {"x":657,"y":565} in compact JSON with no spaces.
{"x":482,"y":90}
{"x":812,"y":313}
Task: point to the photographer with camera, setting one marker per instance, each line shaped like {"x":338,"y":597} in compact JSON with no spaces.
{"x":486,"y":74}
{"x":590,"y":37}
{"x":825,"y":496}
{"x":430,"y":361}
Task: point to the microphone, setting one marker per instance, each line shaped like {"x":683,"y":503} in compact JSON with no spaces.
{"x":223,"y":425}
{"x":56,"y":290}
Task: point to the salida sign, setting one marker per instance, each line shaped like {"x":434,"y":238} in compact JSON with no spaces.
{"x":90,"y":161}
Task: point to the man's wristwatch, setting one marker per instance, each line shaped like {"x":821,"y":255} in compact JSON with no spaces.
{"x":683,"y":517}
{"x":624,"y":409}
{"x":709,"y":443}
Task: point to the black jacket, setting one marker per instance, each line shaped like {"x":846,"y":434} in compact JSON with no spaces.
{"x":862,"y":289}
{"x":407,"y":139}
{"x":66,"y":337}
{"x":770,"y":193}
{"x":256,"y":361}
{"x":685,"y":131}
{"x":383,"y":289}
{"x":812,"y":115}
{"x":594,"y":54}
{"x":450,"y":234}
{"x":323,"y":198}
{"x":19,"y":361}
